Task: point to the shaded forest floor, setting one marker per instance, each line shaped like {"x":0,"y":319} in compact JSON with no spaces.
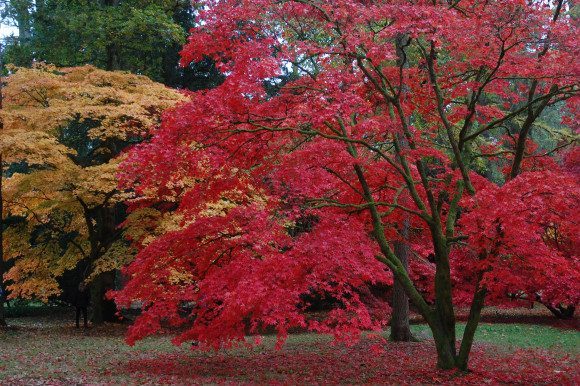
{"x":50,"y":351}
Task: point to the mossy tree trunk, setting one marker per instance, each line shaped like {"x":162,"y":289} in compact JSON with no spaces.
{"x":441,"y":317}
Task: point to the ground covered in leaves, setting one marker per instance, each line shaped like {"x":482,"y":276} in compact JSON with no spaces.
{"x":50,"y":351}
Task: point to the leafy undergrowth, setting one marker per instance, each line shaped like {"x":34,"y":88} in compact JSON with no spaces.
{"x":45,"y":353}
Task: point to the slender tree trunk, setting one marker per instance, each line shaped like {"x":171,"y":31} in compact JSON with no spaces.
{"x":400,"y":329}
{"x":111,"y":50}
{"x":112,"y":58}
{"x":471,"y":326}
{"x":442,"y":317}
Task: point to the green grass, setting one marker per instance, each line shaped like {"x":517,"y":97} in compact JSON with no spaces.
{"x":508,"y":336}
{"x":513,"y":336}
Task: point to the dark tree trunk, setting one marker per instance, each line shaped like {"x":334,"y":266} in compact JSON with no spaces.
{"x":2,"y":313}
{"x":101,"y":226}
{"x":103,"y":310}
{"x":112,"y":58}
{"x":400,"y":329}
{"x":562,"y":311}
{"x":111,"y":50}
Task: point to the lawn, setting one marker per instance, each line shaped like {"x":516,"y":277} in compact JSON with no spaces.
{"x":47,"y":351}
{"x":515,"y":336}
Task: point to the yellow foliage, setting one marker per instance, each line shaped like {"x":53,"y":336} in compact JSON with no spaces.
{"x":176,"y":277}
{"x":46,"y":98}
{"x":116,"y":257}
{"x":49,"y":114}
{"x":146,"y":224}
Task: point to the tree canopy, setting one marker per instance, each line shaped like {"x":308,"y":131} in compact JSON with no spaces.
{"x":63,"y":136}
{"x":323,"y":168}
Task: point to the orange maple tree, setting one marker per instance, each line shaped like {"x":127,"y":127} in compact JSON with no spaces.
{"x":63,"y":137}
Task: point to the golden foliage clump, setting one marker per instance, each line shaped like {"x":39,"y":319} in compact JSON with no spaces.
{"x":45,"y":98}
{"x":64,"y":130}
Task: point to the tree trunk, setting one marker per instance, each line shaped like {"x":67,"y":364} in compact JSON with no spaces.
{"x":444,"y":310}
{"x":561,"y":311}
{"x":112,"y":58}
{"x":103,"y":310}
{"x":471,"y":326}
{"x":441,"y":320}
{"x":446,"y":357}
{"x":111,"y":50}
{"x":400,"y":330}
{"x":2,"y":313}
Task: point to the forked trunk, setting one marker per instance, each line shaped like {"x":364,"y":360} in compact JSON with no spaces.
{"x":447,"y":355}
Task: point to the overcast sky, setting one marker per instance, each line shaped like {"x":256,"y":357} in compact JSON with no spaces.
{"x":6,"y":30}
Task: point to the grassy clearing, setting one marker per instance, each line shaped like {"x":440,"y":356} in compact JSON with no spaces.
{"x":514,"y":336}
{"x":44,"y":351}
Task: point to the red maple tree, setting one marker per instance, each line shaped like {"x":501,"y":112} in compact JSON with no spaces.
{"x":339,"y":121}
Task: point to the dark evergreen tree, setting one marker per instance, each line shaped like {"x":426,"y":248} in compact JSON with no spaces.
{"x":140,"y":36}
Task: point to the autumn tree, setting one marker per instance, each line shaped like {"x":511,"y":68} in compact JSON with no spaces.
{"x":359,"y":143}
{"x":62,"y":141}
